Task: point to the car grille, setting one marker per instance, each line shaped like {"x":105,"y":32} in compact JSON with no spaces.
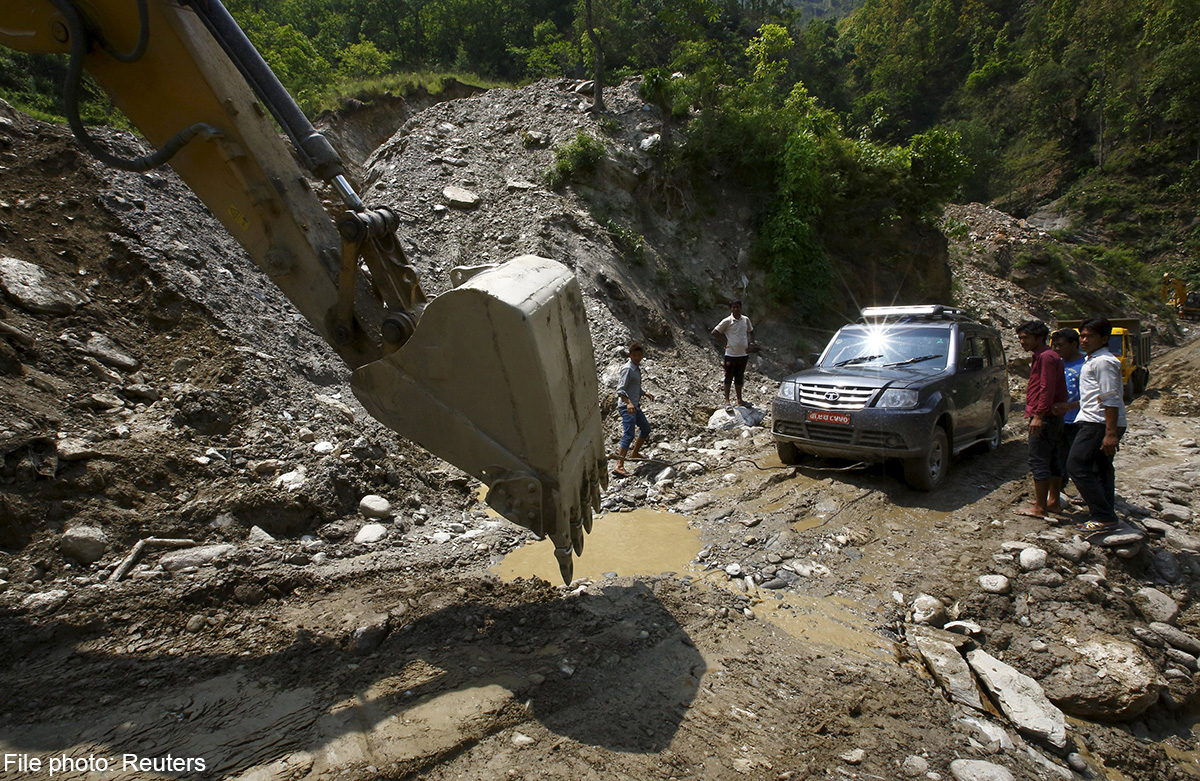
{"x":848,"y":398}
{"x":838,"y":435}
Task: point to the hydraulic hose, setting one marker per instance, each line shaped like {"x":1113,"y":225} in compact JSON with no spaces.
{"x":79,"y":45}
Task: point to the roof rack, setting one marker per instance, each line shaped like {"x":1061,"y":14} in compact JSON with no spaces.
{"x":913,"y":313}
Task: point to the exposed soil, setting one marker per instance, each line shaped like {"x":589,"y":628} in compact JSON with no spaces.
{"x":778,"y":650}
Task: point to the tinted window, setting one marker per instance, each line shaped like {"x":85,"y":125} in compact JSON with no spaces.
{"x":1115,"y":345}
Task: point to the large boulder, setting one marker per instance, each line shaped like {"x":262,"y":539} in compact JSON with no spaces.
{"x":1112,"y":680}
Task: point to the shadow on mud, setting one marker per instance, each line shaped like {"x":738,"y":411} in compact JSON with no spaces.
{"x":614,"y":670}
{"x":973,"y":474}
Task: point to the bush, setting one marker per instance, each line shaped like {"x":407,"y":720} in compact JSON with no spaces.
{"x":574,"y":160}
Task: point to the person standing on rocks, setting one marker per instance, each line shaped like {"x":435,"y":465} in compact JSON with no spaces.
{"x":738,"y":334}
{"x":629,"y":396}
{"x":1065,"y":342}
{"x":1101,"y":422}
{"x":1047,"y":387}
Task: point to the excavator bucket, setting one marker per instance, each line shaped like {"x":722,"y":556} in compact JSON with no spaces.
{"x":499,"y":379}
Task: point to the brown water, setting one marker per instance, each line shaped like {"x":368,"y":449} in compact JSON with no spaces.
{"x":639,"y":543}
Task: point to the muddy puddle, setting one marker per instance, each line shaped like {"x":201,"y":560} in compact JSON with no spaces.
{"x":647,"y":543}
{"x":640,"y":543}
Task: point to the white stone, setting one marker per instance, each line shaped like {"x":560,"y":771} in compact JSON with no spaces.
{"x":1020,"y":698}
{"x":259,"y":536}
{"x":374,"y":506}
{"x":994,"y":584}
{"x":193,"y":557}
{"x":291,"y":481}
{"x":371,"y":532}
{"x":1033,"y":559}
{"x":950,"y":670}
{"x":978,"y":770}
{"x":1154,"y":605}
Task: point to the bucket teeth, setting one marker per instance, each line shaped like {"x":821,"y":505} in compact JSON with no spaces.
{"x":566,"y":563}
{"x":577,"y":537}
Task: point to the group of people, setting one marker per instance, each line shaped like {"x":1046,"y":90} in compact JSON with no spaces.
{"x":1076,"y":409}
{"x":738,"y":335}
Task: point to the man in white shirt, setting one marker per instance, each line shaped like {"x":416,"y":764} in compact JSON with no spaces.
{"x":738,"y":334}
{"x":1101,"y":422}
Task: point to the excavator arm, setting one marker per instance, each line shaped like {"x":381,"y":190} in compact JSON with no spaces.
{"x":496,"y":375}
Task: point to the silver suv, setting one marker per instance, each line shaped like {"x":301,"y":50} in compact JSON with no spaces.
{"x":915,"y":383}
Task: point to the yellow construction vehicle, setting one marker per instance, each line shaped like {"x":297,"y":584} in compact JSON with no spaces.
{"x":1175,"y":293}
{"x":496,"y":376}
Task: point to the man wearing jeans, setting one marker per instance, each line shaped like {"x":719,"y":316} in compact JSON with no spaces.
{"x":1101,"y":422}
{"x":629,"y":397}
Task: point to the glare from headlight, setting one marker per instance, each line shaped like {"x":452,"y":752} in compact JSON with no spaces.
{"x":897,"y":398}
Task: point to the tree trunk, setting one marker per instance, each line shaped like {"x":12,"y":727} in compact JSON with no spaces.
{"x":598,"y":78}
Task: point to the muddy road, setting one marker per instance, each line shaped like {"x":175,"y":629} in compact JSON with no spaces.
{"x":658,"y":663}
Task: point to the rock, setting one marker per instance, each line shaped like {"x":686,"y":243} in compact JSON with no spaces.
{"x":373,"y":506}
{"x":45,"y":602}
{"x":75,"y":449}
{"x":967,"y":628}
{"x":853,"y":757}
{"x":258,"y":536}
{"x":1153,"y":605}
{"x":993,"y":737}
{"x":1183,"y":658}
{"x":1033,"y":559}
{"x":650,"y":142}
{"x":1045,"y":577}
{"x":1112,"y":680}
{"x":194,"y":557}
{"x":521,"y":740}
{"x":994,"y":584}
{"x":928,"y":610}
{"x":293,"y":480}
{"x":371,"y":532}
{"x":249,"y":593}
{"x":324,"y":448}
{"x":665,"y":475}
{"x":346,"y":414}
{"x":727,"y":418}
{"x":1020,"y":698}
{"x":195,"y":623}
{"x":733,"y":570}
{"x":105,"y":350}
{"x":442,"y":536}
{"x":35,"y":291}
{"x":1176,"y":637}
{"x":978,"y":770}
{"x":914,"y":766}
{"x":1175,"y":513}
{"x":1166,"y":565}
{"x":1074,"y":550}
{"x":85,"y":544}
{"x":369,"y":637}
{"x":460,"y":198}
{"x":950,"y":670}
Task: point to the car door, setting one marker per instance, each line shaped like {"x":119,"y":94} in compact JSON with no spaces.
{"x":974,"y":400}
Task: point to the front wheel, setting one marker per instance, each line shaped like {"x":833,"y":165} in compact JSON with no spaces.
{"x":1128,"y":391}
{"x":789,"y":454}
{"x":927,"y":471}
{"x":996,"y":432}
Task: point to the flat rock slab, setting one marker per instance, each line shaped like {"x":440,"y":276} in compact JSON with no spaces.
{"x":950,"y":670}
{"x":194,"y":557}
{"x":36,"y":291}
{"x":460,"y":198}
{"x":1021,"y":699}
{"x":978,"y":770}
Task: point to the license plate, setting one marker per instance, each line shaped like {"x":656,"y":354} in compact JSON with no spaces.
{"x":821,"y":416}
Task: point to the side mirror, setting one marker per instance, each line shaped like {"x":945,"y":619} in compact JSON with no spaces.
{"x":813,"y":358}
{"x":973,"y":363}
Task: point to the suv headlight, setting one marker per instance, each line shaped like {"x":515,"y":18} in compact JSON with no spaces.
{"x":787,"y":390}
{"x":898,"y":398}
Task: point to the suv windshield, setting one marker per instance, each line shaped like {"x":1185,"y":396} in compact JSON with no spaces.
{"x":877,"y":346}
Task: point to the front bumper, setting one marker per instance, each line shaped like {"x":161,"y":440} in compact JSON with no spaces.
{"x":871,"y":435}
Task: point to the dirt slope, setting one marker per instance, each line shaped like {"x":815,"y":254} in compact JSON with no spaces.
{"x":778,"y":650}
